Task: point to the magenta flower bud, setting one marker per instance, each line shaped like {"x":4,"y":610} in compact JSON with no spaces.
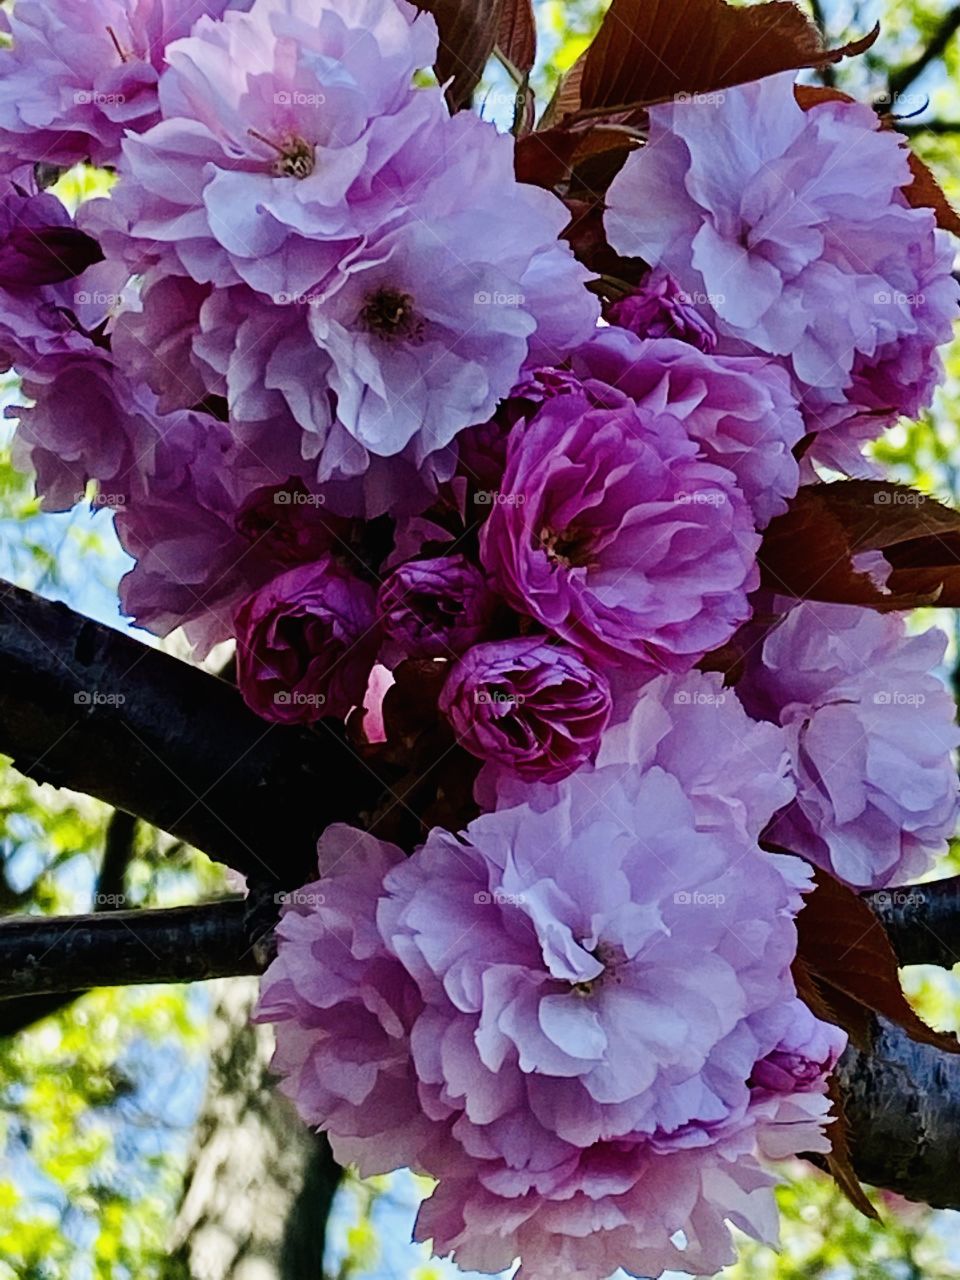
{"x":660,"y":309}
{"x":436,"y":608}
{"x":34,"y":256}
{"x":804,"y":1057}
{"x":39,"y":245}
{"x":535,"y":708}
{"x":306,"y":643}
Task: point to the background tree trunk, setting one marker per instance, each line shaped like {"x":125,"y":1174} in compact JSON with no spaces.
{"x":259,"y":1184}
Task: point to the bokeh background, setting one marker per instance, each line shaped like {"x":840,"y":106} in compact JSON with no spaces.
{"x":139,"y":1136}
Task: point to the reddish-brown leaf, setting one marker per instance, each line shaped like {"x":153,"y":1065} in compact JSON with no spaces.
{"x":468,"y":33}
{"x":924,"y":192}
{"x":831,"y":1005}
{"x":840,"y":1159}
{"x":566,"y":96}
{"x":808,"y":552}
{"x":517,"y":34}
{"x":649,"y":50}
{"x":844,"y":947}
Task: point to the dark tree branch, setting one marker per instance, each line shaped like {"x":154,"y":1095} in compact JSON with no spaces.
{"x":922,"y":921}
{"x":901,"y":78}
{"x":50,"y":955}
{"x":15,"y":1015}
{"x":85,"y":707}
{"x":902,"y":1100}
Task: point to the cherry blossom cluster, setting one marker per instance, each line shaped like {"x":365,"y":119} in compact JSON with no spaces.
{"x":359,"y":409}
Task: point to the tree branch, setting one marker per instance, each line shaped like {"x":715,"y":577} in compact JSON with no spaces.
{"x":922,"y":921}
{"x":901,"y":78}
{"x":48,"y":955}
{"x":121,"y":832}
{"x":85,"y":707}
{"x":902,"y":1101}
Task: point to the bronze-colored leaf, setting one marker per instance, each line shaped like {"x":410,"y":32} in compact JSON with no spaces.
{"x":840,"y":1160}
{"x":809,"y":551}
{"x":566,"y":96}
{"x":517,"y":34}
{"x":648,"y":51}
{"x":926,"y":193}
{"x":468,"y":34}
{"x":844,"y":947}
{"x":831,"y":1005}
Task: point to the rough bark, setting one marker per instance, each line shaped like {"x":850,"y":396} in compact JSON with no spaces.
{"x":17,"y":1014}
{"x":922,"y":921}
{"x":902,"y":1101}
{"x":87,"y":707}
{"x":50,"y":955}
{"x":259,"y":1185}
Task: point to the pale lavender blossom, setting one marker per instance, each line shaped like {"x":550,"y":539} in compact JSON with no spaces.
{"x":791,"y":230}
{"x":80,"y":74}
{"x":556,"y":1016}
{"x":870,"y":731}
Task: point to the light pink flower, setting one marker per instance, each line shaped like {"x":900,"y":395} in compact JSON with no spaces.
{"x":870,"y":731}
{"x":791,"y":230}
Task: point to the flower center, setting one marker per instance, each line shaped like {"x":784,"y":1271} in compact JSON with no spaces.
{"x":390,"y":314}
{"x":611,"y":957}
{"x":296,"y":158}
{"x":568,"y":549}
